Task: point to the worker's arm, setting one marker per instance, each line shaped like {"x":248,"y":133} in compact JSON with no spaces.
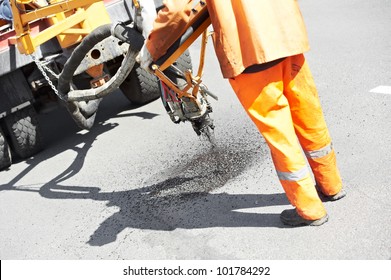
{"x":168,"y":26}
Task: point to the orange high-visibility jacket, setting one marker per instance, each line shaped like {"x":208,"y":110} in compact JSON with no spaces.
{"x":246,"y":32}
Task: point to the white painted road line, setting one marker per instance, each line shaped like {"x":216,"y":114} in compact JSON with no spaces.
{"x":382,"y":89}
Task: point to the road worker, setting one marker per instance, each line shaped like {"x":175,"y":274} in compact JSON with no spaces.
{"x":260,"y":46}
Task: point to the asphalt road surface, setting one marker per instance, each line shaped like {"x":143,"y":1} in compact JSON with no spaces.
{"x":140,"y":187}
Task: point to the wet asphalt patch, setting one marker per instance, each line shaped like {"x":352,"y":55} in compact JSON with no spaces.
{"x":205,"y":172}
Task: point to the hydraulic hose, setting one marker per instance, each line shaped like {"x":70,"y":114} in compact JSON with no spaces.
{"x":84,"y":122}
{"x":83,"y":104}
{"x":121,"y":31}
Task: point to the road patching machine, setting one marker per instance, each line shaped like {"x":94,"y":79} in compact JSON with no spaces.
{"x":75,"y":53}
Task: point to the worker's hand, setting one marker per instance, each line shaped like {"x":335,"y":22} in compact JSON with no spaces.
{"x":144,"y":58}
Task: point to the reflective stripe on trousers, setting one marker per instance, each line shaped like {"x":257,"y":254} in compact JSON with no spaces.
{"x":283,"y":103}
{"x":293,"y":176}
{"x":324,"y":167}
{"x":320,"y":153}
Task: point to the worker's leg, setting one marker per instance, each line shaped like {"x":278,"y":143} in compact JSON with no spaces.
{"x":310,"y":124}
{"x":261,"y":94}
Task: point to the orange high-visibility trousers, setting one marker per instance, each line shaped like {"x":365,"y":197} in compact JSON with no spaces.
{"x":283,"y":103}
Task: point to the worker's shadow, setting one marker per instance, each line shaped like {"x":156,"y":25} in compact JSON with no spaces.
{"x":182,"y":200}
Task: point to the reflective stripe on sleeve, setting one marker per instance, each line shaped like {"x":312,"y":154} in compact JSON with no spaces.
{"x":320,"y":153}
{"x":293,"y":176}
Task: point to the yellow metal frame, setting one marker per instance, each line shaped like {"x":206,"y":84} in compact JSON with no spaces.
{"x":69,"y":21}
{"x":192,"y":82}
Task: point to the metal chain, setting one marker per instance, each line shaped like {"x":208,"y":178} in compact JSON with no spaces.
{"x":43,"y":69}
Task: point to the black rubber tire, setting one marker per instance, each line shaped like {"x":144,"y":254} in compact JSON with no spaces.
{"x":184,"y":61}
{"x":5,"y":152}
{"x":141,"y":87}
{"x":24,"y":133}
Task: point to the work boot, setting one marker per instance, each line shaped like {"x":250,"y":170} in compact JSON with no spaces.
{"x":292,"y":218}
{"x":337,"y":196}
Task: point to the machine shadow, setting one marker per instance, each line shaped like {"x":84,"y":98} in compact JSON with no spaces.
{"x":62,"y":134}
